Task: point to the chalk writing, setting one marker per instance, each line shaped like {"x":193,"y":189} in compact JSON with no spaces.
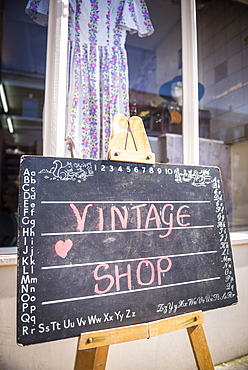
{"x":195,"y":177}
{"x":67,"y":172}
{"x":149,"y":270}
{"x":173,"y":307}
{"x":153,"y":216}
{"x":225,"y":249}
{"x":29,"y":280}
{"x":107,"y":244}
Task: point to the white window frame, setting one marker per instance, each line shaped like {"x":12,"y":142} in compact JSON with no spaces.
{"x":56,"y":80}
{"x":190,"y":83}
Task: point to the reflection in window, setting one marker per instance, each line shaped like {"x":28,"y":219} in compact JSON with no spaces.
{"x":223,"y":69}
{"x":155,"y":77}
{"x":23,"y":56}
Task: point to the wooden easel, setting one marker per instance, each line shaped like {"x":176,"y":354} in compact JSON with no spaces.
{"x":129,"y":143}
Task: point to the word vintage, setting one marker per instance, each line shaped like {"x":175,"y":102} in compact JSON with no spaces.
{"x":152,"y":217}
{"x":107,"y":244}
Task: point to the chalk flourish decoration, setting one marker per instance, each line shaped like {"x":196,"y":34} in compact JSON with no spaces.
{"x":68,"y":172}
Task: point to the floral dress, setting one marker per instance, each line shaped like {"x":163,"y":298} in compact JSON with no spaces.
{"x":97,"y":66}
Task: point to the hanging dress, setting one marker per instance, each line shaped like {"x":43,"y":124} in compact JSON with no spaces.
{"x":97,"y":66}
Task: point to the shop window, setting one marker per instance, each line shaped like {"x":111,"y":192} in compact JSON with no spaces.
{"x":223,"y":70}
{"x":155,"y":88}
{"x":22,"y":86}
{"x":155,"y":75}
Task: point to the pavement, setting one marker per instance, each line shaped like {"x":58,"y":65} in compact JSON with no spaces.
{"x":240,"y":363}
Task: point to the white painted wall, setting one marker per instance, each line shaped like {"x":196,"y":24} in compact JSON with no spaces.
{"x":239,"y":170}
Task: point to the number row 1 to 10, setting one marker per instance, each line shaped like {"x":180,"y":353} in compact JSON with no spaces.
{"x":136,"y":169}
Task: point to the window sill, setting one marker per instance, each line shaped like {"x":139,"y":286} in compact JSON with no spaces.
{"x":8,"y":255}
{"x":239,"y":238}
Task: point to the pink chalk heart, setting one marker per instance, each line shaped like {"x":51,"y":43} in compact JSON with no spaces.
{"x":62,"y":248}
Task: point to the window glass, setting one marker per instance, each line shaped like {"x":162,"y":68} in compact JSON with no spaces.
{"x":22,"y":79}
{"x":223,"y":109}
{"x":23,"y":56}
{"x":155,"y":80}
{"x":22,"y":84}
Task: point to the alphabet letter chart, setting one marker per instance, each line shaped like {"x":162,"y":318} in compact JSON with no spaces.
{"x":105,"y":244}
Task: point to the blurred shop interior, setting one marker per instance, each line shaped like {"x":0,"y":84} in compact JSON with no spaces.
{"x":155,"y":75}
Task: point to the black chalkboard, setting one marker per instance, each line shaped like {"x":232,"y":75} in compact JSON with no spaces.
{"x":105,"y":244}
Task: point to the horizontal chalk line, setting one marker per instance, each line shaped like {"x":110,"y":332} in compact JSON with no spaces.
{"x":126,"y":260}
{"x":122,"y":201}
{"x":125,"y":230}
{"x":127,"y":291}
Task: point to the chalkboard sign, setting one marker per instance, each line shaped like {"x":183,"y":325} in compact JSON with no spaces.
{"x":105,"y":244}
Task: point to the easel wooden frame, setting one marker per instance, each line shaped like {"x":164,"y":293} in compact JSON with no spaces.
{"x":129,"y":143}
{"x":92,"y":351}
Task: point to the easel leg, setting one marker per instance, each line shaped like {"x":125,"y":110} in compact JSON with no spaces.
{"x":92,"y":359}
{"x":200,"y":347}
